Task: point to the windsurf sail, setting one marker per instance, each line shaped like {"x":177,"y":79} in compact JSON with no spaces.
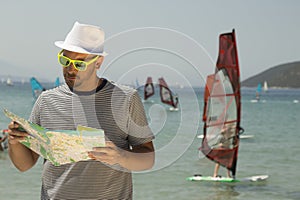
{"x":36,"y":87}
{"x":137,"y":84}
{"x":148,"y":88}
{"x":258,"y":91}
{"x":222,"y":107}
{"x":166,"y":95}
{"x":56,"y":83}
{"x":208,"y":88}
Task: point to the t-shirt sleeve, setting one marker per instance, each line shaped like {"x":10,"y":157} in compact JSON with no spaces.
{"x":35,"y":112}
{"x":138,"y":128}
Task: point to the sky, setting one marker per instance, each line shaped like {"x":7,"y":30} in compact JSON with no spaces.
{"x":174,"y":39}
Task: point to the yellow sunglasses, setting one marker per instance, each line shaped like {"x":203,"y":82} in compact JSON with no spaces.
{"x":79,"y":65}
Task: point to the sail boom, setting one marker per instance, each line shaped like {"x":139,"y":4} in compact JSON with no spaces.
{"x":221,"y":123}
{"x":223,"y":95}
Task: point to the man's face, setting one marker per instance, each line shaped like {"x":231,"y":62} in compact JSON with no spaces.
{"x":79,"y":80}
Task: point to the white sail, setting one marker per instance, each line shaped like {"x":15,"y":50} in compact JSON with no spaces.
{"x":9,"y":81}
{"x":265,"y":86}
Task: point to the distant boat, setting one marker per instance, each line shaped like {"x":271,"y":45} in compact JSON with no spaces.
{"x":56,"y":83}
{"x":137,"y":84}
{"x":9,"y":82}
{"x":167,"y":96}
{"x":148,"y":88}
{"x":257,"y":94}
{"x":266,"y":86}
{"x":36,"y":87}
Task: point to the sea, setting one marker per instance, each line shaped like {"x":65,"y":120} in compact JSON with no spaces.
{"x":273,"y":150}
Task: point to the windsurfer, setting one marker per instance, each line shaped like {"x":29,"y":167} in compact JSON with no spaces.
{"x":217,"y":166}
{"x":223,"y":142}
{"x":3,"y":140}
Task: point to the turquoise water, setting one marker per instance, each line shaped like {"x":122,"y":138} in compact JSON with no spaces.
{"x":274,"y":150}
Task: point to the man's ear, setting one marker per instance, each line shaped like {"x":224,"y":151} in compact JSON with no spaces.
{"x":99,"y":61}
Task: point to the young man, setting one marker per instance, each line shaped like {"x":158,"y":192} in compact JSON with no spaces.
{"x":224,"y":141}
{"x":91,"y":101}
{"x":3,"y":140}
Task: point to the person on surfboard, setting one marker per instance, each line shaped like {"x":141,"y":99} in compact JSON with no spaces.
{"x":3,"y":140}
{"x":223,"y":142}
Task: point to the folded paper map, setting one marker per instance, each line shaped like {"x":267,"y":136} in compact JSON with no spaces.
{"x":59,"y":147}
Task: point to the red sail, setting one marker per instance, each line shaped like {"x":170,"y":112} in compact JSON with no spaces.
{"x":166,"y":94}
{"x":222,"y":107}
{"x":208,"y":87}
{"x":148,"y":88}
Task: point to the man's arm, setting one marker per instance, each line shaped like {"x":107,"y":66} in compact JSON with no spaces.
{"x":140,"y":157}
{"x":22,"y":157}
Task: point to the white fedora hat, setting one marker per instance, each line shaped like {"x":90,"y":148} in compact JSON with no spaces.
{"x":84,"y":38}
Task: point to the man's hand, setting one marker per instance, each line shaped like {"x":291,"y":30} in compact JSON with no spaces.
{"x":110,"y":154}
{"x":15,"y":134}
{"x":140,"y":157}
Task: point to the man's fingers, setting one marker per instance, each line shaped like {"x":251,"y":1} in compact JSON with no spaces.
{"x":15,"y":134}
{"x":12,"y":125}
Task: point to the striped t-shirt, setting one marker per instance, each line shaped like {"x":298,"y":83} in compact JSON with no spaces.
{"x":115,"y":109}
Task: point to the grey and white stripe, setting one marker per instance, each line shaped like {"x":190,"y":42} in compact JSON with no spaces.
{"x":119,"y":112}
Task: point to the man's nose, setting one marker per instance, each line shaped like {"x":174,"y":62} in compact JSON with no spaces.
{"x":71,"y":68}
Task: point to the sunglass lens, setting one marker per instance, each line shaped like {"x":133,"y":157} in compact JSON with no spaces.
{"x":64,"y":61}
{"x":80,"y":65}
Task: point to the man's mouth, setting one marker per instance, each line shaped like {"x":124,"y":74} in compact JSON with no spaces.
{"x":72,"y":78}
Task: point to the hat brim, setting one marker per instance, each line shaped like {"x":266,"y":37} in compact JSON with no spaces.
{"x":68,"y":47}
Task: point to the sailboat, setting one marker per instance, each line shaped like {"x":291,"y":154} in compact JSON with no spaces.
{"x":148,"y":89}
{"x":36,"y":87}
{"x":57,"y":82}
{"x":137,"y":84}
{"x":222,"y":113}
{"x":167,"y":96}
{"x":257,"y":94}
{"x":9,"y":82}
{"x":266,"y":86}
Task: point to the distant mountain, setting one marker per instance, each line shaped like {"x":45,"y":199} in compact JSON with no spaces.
{"x":284,"y":75}
{"x":16,"y":73}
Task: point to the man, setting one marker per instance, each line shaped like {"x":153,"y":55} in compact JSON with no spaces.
{"x":224,"y":142}
{"x":3,"y":140}
{"x":91,"y":101}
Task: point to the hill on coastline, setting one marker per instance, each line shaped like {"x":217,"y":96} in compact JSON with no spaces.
{"x":282,"y":76}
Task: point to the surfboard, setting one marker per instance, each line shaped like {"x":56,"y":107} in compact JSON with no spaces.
{"x":256,"y":178}
{"x":241,"y":136}
{"x":172,"y":109}
{"x":246,"y":136}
